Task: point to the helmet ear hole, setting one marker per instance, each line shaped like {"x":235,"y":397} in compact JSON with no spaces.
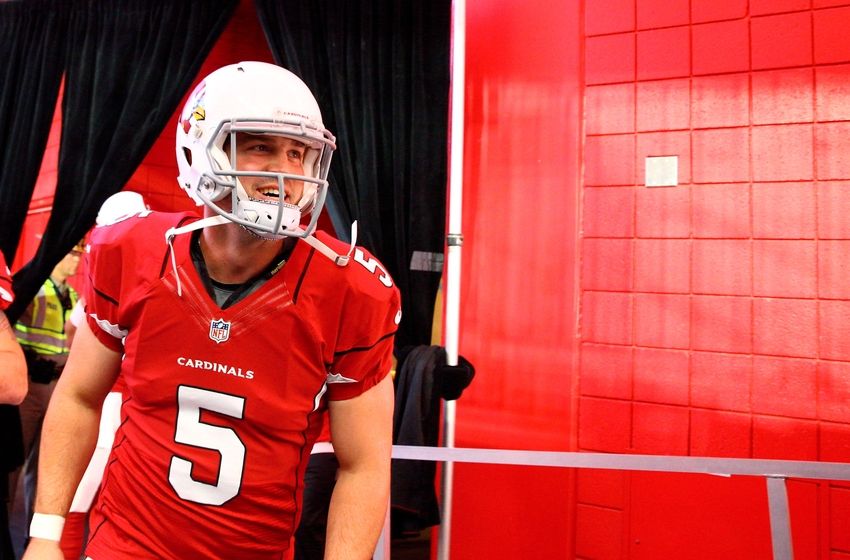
{"x":187,"y":153}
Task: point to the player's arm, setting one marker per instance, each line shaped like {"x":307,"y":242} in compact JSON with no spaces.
{"x":70,"y":429}
{"x":362,"y":439}
{"x":13,"y":367}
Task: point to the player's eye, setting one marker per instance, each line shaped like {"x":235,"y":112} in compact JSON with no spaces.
{"x":258,"y":147}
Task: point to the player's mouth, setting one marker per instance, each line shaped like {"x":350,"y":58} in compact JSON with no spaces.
{"x":269,"y":194}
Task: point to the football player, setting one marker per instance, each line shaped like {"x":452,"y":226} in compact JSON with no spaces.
{"x":233,"y":334}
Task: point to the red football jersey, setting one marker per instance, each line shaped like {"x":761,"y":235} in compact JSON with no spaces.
{"x":6,"y":295}
{"x":222,"y":406}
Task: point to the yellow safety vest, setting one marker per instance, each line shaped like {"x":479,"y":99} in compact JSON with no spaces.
{"x":42,"y":326}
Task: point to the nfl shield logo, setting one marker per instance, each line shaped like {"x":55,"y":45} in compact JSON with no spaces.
{"x":219,"y":330}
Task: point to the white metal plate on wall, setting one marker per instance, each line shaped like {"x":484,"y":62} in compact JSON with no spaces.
{"x":662,"y":171}
{"x":426,"y":261}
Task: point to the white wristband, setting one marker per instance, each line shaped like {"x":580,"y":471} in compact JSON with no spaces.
{"x":47,"y":526}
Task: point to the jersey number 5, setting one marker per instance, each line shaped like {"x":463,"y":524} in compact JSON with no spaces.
{"x":372,"y":265}
{"x":191,"y":431}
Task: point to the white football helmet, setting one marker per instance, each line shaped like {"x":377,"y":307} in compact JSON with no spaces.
{"x":259,"y":98}
{"x":120,"y":206}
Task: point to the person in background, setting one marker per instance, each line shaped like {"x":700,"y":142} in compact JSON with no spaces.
{"x":13,"y":389}
{"x":41,"y":333}
{"x":13,"y":367}
{"x":421,"y":379}
{"x":116,"y":208}
{"x":233,"y":333}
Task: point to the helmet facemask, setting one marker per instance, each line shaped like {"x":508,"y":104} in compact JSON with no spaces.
{"x":269,"y":219}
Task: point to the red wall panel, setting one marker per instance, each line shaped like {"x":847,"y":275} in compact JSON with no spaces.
{"x":782,"y":40}
{"x":662,"y":13}
{"x":613,"y":16}
{"x":721,"y":381}
{"x":609,"y":371}
{"x":782,"y":96}
{"x":518,"y":297}
{"x":693,"y":529}
{"x":661,"y":376}
{"x":607,"y":425}
{"x":712,"y":10}
{"x":784,"y":210}
{"x":720,"y":211}
{"x":784,"y":387}
{"x":761,"y":7}
{"x":831,"y":41}
{"x":663,"y":53}
{"x":716,"y":433}
{"x":735,"y":327}
{"x":832,"y":95}
{"x":609,"y":212}
{"x":731,"y":146}
{"x":835,"y":442}
{"x":660,"y":320}
{"x":663,"y":213}
{"x":674,"y":274}
{"x":833,"y":205}
{"x":662,"y":105}
{"x":785,"y":438}
{"x":720,"y":47}
{"x":833,"y":385}
{"x":610,"y":108}
{"x":599,"y":532}
{"x":719,"y":101}
{"x":611,"y":58}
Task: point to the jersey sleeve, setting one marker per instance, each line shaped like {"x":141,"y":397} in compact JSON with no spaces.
{"x":122,"y":259}
{"x":106,"y":286}
{"x":370,"y":317}
{"x":6,"y":295}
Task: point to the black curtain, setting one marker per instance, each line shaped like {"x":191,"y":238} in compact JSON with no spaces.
{"x":380,"y":71}
{"x":32,"y":46}
{"x":129,"y":63}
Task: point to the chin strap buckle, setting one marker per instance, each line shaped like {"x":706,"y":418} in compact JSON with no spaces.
{"x":339,"y":260}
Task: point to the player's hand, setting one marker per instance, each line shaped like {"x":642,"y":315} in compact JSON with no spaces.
{"x":41,"y":549}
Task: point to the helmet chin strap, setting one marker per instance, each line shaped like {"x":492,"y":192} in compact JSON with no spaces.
{"x":212,"y":221}
{"x":339,"y":260}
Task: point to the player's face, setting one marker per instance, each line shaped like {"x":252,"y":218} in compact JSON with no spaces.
{"x":268,"y":152}
{"x":68,"y":265}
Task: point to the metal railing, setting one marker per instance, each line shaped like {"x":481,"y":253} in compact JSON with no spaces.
{"x":775,"y":473}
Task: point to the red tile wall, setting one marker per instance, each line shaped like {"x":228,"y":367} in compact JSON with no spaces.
{"x":730,"y":334}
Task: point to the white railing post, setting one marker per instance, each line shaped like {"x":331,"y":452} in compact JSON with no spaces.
{"x":780,"y":519}
{"x":453,"y":253}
